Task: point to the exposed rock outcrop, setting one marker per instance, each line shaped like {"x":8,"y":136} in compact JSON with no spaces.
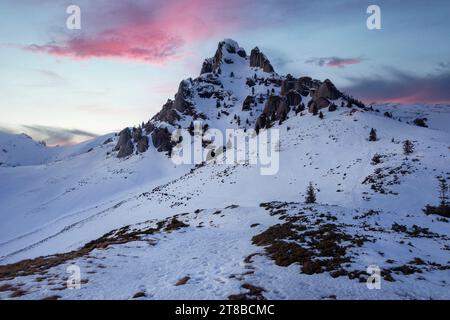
{"x":322,"y":103}
{"x":181,"y":102}
{"x":282,"y":111}
{"x":272,"y":104}
{"x":124,"y":145}
{"x":248,"y":102}
{"x":161,"y":139}
{"x":167,"y":113}
{"x":207,"y":66}
{"x":231,"y":47}
{"x":327,"y":90}
{"x":259,"y":60}
{"x":293,"y":98}
{"x":213,"y":95}
{"x":142,"y":144}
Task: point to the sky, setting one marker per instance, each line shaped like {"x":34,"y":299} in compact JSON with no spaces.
{"x":66,"y":86}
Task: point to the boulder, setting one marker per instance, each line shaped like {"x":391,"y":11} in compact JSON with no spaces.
{"x":312,"y":107}
{"x":248,"y":102}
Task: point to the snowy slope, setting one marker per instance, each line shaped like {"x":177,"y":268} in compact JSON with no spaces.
{"x":435,"y":116}
{"x":21,"y":150}
{"x":77,"y":194}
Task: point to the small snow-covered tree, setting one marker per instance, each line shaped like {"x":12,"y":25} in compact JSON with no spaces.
{"x":310,"y":194}
{"x":408,"y":147}
{"x":443,"y":189}
{"x":373,"y":135}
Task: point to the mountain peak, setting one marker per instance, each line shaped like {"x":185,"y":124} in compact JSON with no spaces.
{"x":238,"y":91}
{"x":228,"y":50}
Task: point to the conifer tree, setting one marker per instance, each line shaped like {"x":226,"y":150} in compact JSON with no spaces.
{"x":373,"y":135}
{"x":408,"y":147}
{"x":310,"y":194}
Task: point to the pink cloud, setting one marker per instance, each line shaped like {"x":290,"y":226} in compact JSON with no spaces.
{"x":143,"y":31}
{"x":402,"y":87}
{"x":334,"y":62}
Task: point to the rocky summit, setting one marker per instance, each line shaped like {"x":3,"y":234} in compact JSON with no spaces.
{"x":234,"y":90}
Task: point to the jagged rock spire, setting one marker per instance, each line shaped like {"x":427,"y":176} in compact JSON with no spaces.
{"x":259,"y":60}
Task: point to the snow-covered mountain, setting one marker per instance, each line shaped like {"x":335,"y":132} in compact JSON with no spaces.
{"x":140,"y":226}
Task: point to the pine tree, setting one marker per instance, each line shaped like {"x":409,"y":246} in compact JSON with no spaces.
{"x":408,"y":147}
{"x":443,"y":189}
{"x":232,"y":74}
{"x":320,"y":115}
{"x":253,"y":91}
{"x":373,"y":135}
{"x":310,"y":194}
{"x":217,"y":103}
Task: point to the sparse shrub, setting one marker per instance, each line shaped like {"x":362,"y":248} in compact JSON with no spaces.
{"x":420,"y":122}
{"x":408,"y":147}
{"x":376,"y":159}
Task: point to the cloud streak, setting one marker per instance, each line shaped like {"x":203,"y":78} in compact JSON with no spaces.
{"x":333,"y":62}
{"x":57,"y":136}
{"x":402,"y":87}
{"x":144,"y":31}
